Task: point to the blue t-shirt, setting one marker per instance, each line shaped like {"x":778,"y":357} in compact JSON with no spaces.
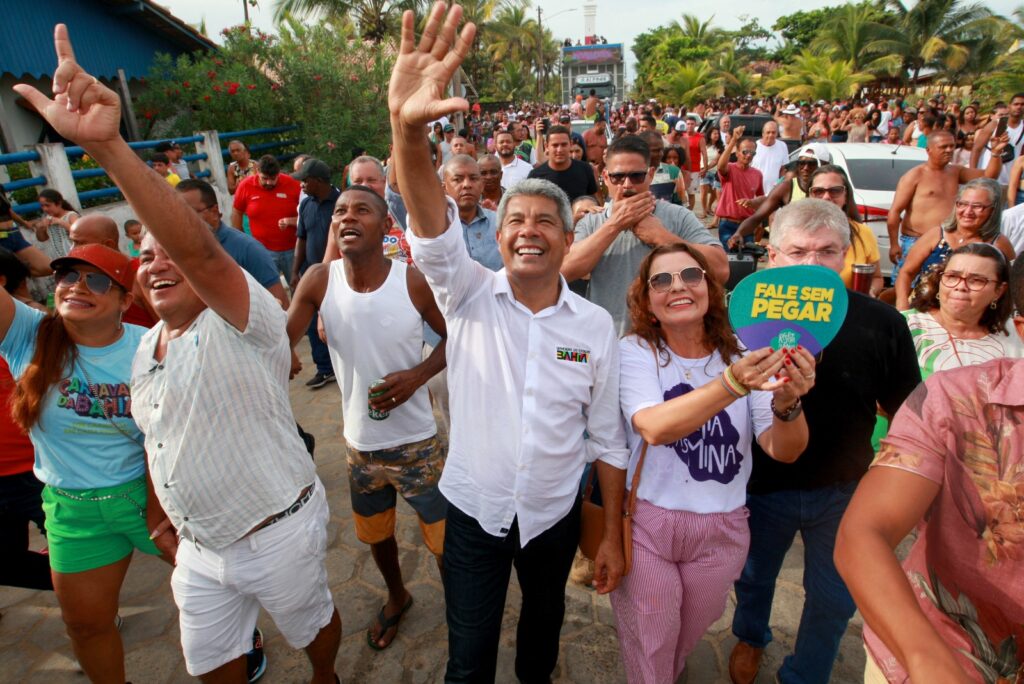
{"x":13,"y":240}
{"x":76,"y":446}
{"x":249,"y":254}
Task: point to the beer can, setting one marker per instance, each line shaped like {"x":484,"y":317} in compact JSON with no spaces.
{"x":372,"y":412}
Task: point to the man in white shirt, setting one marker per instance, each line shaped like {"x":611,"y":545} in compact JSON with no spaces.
{"x":544,"y":363}
{"x":210,"y":391}
{"x":770,"y":157}
{"x":513,"y":169}
{"x":1013,"y":227}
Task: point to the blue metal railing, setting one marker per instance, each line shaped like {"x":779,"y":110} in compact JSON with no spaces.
{"x":75,"y":152}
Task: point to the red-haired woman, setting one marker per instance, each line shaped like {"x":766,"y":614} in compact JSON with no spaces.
{"x":686,"y":390}
{"x":72,"y":396}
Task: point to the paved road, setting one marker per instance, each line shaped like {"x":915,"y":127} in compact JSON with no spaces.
{"x":34,"y":648}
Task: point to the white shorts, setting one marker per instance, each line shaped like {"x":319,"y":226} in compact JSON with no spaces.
{"x":694,"y":187}
{"x":281,"y":567}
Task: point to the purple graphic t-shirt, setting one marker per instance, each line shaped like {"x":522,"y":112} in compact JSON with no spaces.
{"x":707,"y":470}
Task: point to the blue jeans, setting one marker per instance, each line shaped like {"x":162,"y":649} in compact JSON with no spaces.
{"x":283,"y":261}
{"x":775,"y":518}
{"x":477,"y":567}
{"x":318,"y":350}
{"x":726,"y":229}
{"x":906,"y":242}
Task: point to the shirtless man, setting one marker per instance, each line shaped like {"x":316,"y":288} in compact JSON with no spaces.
{"x":791,"y":126}
{"x":590,"y":108}
{"x":925,"y":194}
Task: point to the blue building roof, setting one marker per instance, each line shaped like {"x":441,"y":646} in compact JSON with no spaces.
{"x":107,"y":34}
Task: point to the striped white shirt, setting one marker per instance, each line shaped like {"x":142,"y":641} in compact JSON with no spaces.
{"x":224,"y":453}
{"x":524,"y":389}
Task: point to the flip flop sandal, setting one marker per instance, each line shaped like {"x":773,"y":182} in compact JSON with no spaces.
{"x":387,"y":623}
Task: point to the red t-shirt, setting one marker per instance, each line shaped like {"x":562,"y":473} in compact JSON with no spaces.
{"x":693,"y":147}
{"x":136,"y":313}
{"x":739,"y":184}
{"x":266,"y":207}
{"x":16,"y":452}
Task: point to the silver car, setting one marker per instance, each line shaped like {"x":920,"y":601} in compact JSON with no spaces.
{"x":874,"y":170}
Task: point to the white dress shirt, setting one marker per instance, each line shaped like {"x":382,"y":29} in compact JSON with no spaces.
{"x":223,"y":450}
{"x":524,"y":389}
{"x":516,"y":171}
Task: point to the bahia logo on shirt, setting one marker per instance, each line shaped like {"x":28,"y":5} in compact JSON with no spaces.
{"x":572,"y":354}
{"x":102,"y":401}
{"x":709,"y":452}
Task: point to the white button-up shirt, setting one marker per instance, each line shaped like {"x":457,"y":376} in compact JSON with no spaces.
{"x":533,"y":396}
{"x":513,"y":173}
{"x":223,"y":450}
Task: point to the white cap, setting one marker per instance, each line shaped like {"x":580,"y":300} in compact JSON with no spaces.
{"x":816,"y":151}
{"x":681,"y":125}
{"x":791,"y":110}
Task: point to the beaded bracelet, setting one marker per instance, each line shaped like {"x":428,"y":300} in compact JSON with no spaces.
{"x":739,"y":388}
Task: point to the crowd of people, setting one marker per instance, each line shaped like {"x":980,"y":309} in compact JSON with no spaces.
{"x":506,"y":307}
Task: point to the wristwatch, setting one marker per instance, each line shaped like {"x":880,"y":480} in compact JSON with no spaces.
{"x":791,"y":414}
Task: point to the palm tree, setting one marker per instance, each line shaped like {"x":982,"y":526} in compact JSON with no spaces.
{"x":699,"y":33}
{"x":932,"y":33}
{"x":376,"y":19}
{"x":690,"y":83}
{"x":512,"y":82}
{"x":818,"y":77}
{"x":735,"y":78}
{"x":855,"y":34}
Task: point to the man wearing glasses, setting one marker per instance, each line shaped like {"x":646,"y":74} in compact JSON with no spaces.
{"x":795,"y":187}
{"x":871,"y":362}
{"x":244,"y":249}
{"x":740,"y":184}
{"x":610,"y":245}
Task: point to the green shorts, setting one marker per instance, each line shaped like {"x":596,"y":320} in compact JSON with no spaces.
{"x":90,"y":528}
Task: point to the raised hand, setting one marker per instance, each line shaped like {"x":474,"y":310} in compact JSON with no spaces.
{"x":83,"y":109}
{"x":416,"y":94}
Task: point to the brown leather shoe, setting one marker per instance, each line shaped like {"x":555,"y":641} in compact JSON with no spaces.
{"x":744,"y":662}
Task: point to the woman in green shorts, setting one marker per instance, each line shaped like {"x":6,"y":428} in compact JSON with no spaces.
{"x":72,"y":395}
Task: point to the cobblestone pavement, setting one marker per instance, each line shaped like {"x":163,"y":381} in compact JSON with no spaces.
{"x":34,"y":647}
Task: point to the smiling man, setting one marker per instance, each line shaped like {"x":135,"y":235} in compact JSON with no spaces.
{"x":390,"y":432}
{"x":544,"y":363}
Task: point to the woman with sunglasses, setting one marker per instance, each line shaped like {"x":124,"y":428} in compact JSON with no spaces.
{"x":960,"y":311}
{"x":698,"y":399}
{"x":976,"y":217}
{"x":72,"y":396}
{"x":830,"y":183}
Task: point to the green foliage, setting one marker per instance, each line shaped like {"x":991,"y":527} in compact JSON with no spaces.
{"x":818,"y":77}
{"x":321,"y":77}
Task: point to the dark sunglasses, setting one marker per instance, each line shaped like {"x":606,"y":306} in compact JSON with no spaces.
{"x":835,"y":191}
{"x":691,"y":276}
{"x":635,"y":177}
{"x":98,"y":283}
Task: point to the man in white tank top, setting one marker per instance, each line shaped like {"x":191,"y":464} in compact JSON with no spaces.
{"x":373,"y":309}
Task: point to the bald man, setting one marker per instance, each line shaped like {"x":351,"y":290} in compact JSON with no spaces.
{"x":100,"y":229}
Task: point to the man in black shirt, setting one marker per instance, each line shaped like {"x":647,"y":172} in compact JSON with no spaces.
{"x":574,"y":177}
{"x":870,"y":362}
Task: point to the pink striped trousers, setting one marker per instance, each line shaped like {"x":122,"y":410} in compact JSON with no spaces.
{"x":683,"y":566}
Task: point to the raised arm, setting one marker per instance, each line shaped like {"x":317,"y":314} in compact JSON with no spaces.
{"x":87,"y":112}
{"x":775,"y":199}
{"x":415,"y":98}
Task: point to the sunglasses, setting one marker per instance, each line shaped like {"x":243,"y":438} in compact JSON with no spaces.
{"x":98,"y":283}
{"x":691,"y":276}
{"x":635,"y":177}
{"x":834,"y":191}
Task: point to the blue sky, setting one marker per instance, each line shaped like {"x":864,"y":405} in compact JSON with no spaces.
{"x":566,"y":16}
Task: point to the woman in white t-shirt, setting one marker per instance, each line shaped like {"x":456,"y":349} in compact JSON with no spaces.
{"x":685,"y":389}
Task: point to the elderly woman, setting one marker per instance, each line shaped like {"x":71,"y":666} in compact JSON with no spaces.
{"x":686,"y":390}
{"x":976,"y":217}
{"x":960,"y":311}
{"x":830,"y":183}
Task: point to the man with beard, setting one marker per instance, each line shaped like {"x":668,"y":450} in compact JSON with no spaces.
{"x":513,"y":169}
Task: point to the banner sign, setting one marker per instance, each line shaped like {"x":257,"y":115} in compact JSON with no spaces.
{"x":787,"y":306}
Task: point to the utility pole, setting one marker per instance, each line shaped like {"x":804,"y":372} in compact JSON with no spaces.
{"x":540,"y":57}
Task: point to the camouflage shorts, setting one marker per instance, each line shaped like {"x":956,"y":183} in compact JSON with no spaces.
{"x":412,"y":470}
